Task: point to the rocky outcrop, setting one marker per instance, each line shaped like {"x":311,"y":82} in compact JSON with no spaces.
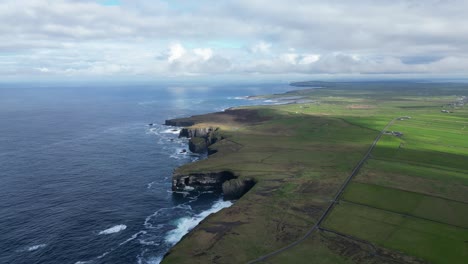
{"x":201,"y":138}
{"x":210,"y":181}
{"x":198,"y":145}
{"x":224,"y":181}
{"x":179,"y":122}
{"x":196,"y":132}
{"x":236,"y":188}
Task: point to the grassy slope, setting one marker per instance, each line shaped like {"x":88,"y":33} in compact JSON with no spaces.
{"x":300,"y":155}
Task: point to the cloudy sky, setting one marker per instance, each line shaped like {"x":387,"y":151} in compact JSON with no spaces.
{"x":138,"y":39}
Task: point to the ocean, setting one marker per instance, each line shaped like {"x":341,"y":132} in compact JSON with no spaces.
{"x":85,"y":179}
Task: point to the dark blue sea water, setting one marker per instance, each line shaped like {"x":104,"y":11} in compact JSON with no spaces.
{"x":84,"y":179}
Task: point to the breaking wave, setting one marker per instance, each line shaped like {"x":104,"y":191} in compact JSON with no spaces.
{"x":31,"y":248}
{"x":185,"y":224}
{"x":113,"y":230}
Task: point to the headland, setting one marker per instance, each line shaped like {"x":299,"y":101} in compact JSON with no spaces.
{"x":301,"y":196}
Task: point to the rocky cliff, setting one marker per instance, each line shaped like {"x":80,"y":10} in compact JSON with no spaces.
{"x":235,"y":188}
{"x":190,"y":132}
{"x":209,"y":181}
{"x":223,"y":181}
{"x":179,"y":122}
{"x":201,"y":138}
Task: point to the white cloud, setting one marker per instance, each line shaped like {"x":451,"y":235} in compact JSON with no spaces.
{"x":290,"y":58}
{"x":204,"y":53}
{"x":182,"y":61}
{"x":261,"y":47}
{"x":43,"y":69}
{"x":309,"y":58}
{"x":176,"y":51}
{"x":84,"y":38}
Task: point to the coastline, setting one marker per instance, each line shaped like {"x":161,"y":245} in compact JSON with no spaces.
{"x":228,"y":123}
{"x":299,"y":155}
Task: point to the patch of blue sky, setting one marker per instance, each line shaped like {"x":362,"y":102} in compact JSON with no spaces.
{"x":182,"y":5}
{"x":110,"y":2}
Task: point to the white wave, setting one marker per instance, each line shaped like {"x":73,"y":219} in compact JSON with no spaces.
{"x":155,"y":260}
{"x":152,"y":260}
{"x":132,"y":237}
{"x":171,"y":131}
{"x":157,"y":129}
{"x":112,"y":230}
{"x":176,"y":156}
{"x":150,"y":185}
{"x":237,"y":98}
{"x":36,"y":247}
{"x":148,"y":243}
{"x":222,"y":108}
{"x":184,"y":153}
{"x":153,"y":130}
{"x":121,"y":244}
{"x":155,"y":215}
{"x":105,"y":254}
{"x":185,"y":224}
{"x":270,"y":101}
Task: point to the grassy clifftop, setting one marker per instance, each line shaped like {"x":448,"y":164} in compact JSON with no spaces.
{"x":409,"y":203}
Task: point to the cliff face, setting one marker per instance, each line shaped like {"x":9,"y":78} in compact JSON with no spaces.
{"x":198,"y":145}
{"x":236,"y":188}
{"x":196,"y":132}
{"x":209,"y":181}
{"x":201,"y":138}
{"x":179,"y":122}
{"x":224,"y":181}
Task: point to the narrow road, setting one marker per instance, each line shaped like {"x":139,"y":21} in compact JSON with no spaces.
{"x":332,"y":203}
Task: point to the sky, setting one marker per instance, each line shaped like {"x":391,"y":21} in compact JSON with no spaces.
{"x":259,"y":39}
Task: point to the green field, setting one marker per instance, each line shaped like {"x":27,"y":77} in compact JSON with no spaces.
{"x":412,"y":204}
{"x":417,"y":180}
{"x":435,"y":242}
{"x":407,"y":204}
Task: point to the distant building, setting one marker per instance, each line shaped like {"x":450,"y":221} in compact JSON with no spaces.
{"x":393,"y":133}
{"x":404,"y":118}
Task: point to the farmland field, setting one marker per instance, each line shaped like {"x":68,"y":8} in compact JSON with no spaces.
{"x":408,"y":203}
{"x":412,"y":194}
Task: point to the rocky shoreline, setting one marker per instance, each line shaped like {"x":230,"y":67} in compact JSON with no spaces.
{"x":201,"y":138}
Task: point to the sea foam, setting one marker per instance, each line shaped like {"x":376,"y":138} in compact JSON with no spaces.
{"x":171,"y":131}
{"x":36,"y":247}
{"x":152,"y":260}
{"x":112,"y":230}
{"x":185,"y":224}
